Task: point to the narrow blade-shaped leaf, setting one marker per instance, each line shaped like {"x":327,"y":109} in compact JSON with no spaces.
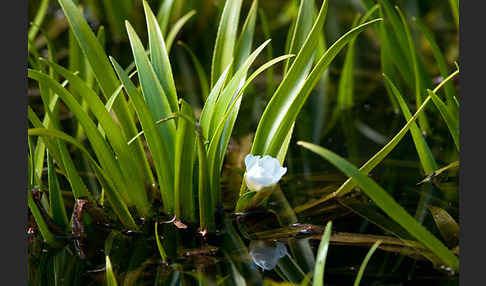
{"x":46,"y":233}
{"x":206,"y":207}
{"x":365,"y":262}
{"x":201,"y":74}
{"x":318,"y":279}
{"x":225,"y":38}
{"x":416,"y":71}
{"x":152,"y":91}
{"x":388,"y":205}
{"x":288,"y":89}
{"x":110,"y":275}
{"x":131,"y":165}
{"x":210,"y":104}
{"x":441,"y":64}
{"x":177,"y":27}
{"x":245,"y":41}
{"x":154,"y":141}
{"x":160,"y":58}
{"x":163,"y":15}
{"x":346,"y":82}
{"x":449,"y":118}
{"x":119,"y":206}
{"x":184,"y":197}
{"x":219,"y":143}
{"x":160,"y":247}
{"x":301,"y":29}
{"x":380,"y":155}
{"x":58,"y":210}
{"x":100,"y":146}
{"x":426,"y":157}
{"x":98,"y":61}
{"x":282,"y":110}
{"x":230,"y":92}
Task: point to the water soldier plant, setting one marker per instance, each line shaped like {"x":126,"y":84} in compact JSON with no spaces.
{"x":138,"y":162}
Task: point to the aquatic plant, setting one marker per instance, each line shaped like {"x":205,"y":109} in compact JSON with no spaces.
{"x":136,"y":158}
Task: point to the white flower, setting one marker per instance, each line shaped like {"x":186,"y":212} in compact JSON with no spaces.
{"x":262,"y":172}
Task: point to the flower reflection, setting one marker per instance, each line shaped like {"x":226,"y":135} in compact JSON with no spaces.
{"x":266,"y":254}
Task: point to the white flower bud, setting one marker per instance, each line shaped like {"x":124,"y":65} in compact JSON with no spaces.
{"x":262,"y":172}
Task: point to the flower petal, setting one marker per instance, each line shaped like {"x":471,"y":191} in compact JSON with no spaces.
{"x":262,"y":172}
{"x":250,"y":161}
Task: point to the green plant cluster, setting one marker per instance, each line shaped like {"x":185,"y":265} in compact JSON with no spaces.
{"x":152,"y":154}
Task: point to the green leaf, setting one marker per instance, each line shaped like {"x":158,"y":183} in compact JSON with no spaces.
{"x":100,"y":66}
{"x":158,"y":55}
{"x":58,"y":211}
{"x":245,"y":41}
{"x":455,"y":11}
{"x":281,"y":112}
{"x":160,"y":247}
{"x":78,"y":187}
{"x":287,"y":91}
{"x":113,"y":97}
{"x":399,"y":33}
{"x":270,"y":73}
{"x":301,"y":29}
{"x":229,"y":93}
{"x":153,"y":93}
{"x":219,"y":142}
{"x":110,"y":276}
{"x":40,"y":147}
{"x":210,"y":104}
{"x":391,"y":33}
{"x":159,"y":154}
{"x":30,"y":163}
{"x":100,"y":146}
{"x":119,"y":207}
{"x":225,"y":38}
{"x":81,"y":62}
{"x":253,"y":199}
{"x":441,"y":64}
{"x":365,"y":262}
{"x":91,"y":48}
{"x":130,"y":165}
{"x":345,"y":96}
{"x":163,"y":15}
{"x":201,"y":74}
{"x":38,"y":19}
{"x":184,"y":197}
{"x":378,"y":195}
{"x":115,"y":18}
{"x":450,"y":119}
{"x":346,"y":82}
{"x":46,"y":233}
{"x":380,"y":155}
{"x":416,"y":71}
{"x":206,"y":207}
{"x":426,"y":157}
{"x":318,"y":278}
{"x":177,"y":27}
